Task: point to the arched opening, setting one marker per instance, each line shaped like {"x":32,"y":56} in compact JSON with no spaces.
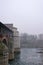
{"x":5,"y":42}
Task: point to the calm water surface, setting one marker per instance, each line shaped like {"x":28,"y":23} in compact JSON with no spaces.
{"x":28,"y":56}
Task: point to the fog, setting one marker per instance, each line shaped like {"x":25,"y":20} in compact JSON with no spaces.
{"x":26,"y":15}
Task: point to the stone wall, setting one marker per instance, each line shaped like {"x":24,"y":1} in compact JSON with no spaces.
{"x":16,"y":40}
{"x":3,"y":54}
{"x":4,"y":60}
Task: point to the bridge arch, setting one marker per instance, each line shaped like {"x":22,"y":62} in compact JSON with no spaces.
{"x":4,"y":40}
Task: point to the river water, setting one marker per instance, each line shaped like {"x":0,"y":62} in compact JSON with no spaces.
{"x":28,"y":56}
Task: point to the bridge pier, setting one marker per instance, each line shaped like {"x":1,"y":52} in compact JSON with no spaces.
{"x":16,"y":41}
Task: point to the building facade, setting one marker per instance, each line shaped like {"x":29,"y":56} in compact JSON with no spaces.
{"x":16,"y":37}
{"x":10,"y":37}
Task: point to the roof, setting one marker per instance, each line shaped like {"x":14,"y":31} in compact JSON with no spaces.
{"x":10,"y":26}
{"x":2,"y":25}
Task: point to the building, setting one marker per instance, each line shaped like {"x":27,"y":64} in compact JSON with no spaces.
{"x":16,"y":37}
{"x":10,"y":37}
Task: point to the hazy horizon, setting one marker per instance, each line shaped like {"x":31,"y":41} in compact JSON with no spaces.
{"x":26,"y":15}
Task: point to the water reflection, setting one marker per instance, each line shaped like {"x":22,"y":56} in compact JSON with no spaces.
{"x":41,"y":55}
{"x":28,"y":57}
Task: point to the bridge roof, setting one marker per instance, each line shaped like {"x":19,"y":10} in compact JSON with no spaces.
{"x":2,"y":25}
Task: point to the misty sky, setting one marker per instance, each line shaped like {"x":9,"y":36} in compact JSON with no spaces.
{"x":26,"y":15}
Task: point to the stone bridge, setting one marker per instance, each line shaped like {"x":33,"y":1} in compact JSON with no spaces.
{"x":9,"y":36}
{"x":6,"y":36}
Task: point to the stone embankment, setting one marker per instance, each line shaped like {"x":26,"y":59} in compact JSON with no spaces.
{"x":3,"y":54}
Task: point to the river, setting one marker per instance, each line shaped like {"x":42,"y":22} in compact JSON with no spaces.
{"x":28,"y":56}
